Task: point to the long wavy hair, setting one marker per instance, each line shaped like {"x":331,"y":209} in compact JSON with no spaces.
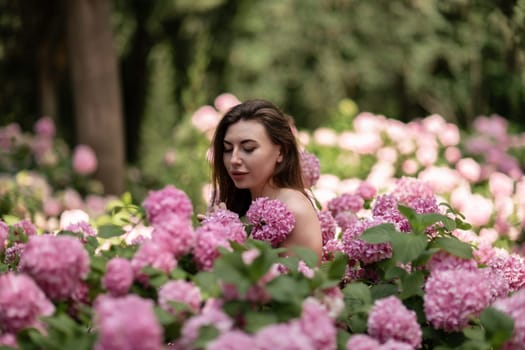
{"x":287,"y":173}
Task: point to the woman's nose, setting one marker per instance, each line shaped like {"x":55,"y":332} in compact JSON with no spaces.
{"x":235,"y":159}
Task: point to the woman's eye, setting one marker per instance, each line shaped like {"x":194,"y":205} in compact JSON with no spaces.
{"x":249,"y":150}
{"x":228,"y":150}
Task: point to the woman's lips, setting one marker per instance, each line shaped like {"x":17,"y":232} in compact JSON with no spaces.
{"x":237,"y":175}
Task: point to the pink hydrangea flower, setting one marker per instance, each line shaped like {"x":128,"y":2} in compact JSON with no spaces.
{"x":57,"y":264}
{"x":126,"y":323}
{"x":452,"y":296}
{"x":84,"y":160}
{"x":328,"y":225}
{"x":306,"y":270}
{"x":365,"y":342}
{"x":22,"y":302}
{"x":390,"y":319}
{"x":82,"y":227}
{"x":317,"y":325}
{"x":205,"y":118}
{"x":271,"y":337}
{"x":442,"y":261}
{"x":331,"y":247}
{"x":4,"y":233}
{"x":13,"y":253}
{"x":26,"y":226}
{"x":310,"y":168}
{"x":225,"y":101}
{"x":232,"y":340}
{"x":345,"y":220}
{"x":211,"y":315}
{"x":229,"y":219}
{"x":174,"y":233}
{"x":366,"y":190}
{"x":209,"y":236}
{"x":179,"y":291}
{"x":8,"y":339}
{"x":514,"y":306}
{"x":385,"y":208}
{"x":332,"y":299}
{"x":512,"y":266}
{"x":408,"y":188}
{"x":45,"y":127}
{"x":362,"y":342}
{"x":250,"y":255}
{"x":271,"y":220}
{"x":363,"y":251}
{"x":167,"y":200}
{"x":154,"y":255}
{"x":345,"y":202}
{"x":497,"y":285}
{"x":118,"y":277}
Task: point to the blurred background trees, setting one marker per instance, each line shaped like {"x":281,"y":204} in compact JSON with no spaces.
{"x":401,"y":58}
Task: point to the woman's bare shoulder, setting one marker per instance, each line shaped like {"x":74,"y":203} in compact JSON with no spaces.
{"x":295,"y":201}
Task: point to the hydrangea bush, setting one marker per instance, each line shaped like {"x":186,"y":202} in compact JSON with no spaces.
{"x":406,"y":274}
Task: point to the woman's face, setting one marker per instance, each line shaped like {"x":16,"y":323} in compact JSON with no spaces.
{"x":249,"y":155}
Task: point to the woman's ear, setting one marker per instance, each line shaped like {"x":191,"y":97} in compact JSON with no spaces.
{"x":280,"y":156}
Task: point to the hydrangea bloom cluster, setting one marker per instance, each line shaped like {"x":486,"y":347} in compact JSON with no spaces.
{"x":271,"y":337}
{"x":318,"y":325}
{"x":328,"y":225}
{"x":230,"y":220}
{"x":167,"y":200}
{"x":179,"y":291}
{"x":409,"y":192}
{"x":271,"y":220}
{"x":8,"y":339}
{"x":118,"y":277}
{"x":345,"y":202}
{"x":310,"y":168}
{"x":512,"y":266}
{"x":152,"y":254}
{"x":57,"y":264}
{"x":365,"y":342}
{"x":345,"y":219}
{"x":443,"y":260}
{"x":232,"y":340}
{"x":22,"y":302}
{"x":409,"y":189}
{"x":26,"y":226}
{"x":366,"y":190}
{"x":126,"y":323}
{"x":363,"y":251}
{"x":4,"y":233}
{"x":82,"y":227}
{"x":174,"y":234}
{"x":385,"y":208}
{"x":452,"y":296}
{"x":211,"y":315}
{"x":313,"y":330}
{"x":496,"y":283}
{"x":13,"y":253}
{"x":514,"y":306}
{"x":390,"y":319}
{"x":210,"y":236}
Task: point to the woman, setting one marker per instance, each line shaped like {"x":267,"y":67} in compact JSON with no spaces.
{"x":255,"y":154}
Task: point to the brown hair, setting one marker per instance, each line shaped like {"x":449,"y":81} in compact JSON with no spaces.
{"x":287,"y":173}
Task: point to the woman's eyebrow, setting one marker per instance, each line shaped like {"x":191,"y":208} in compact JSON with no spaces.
{"x":242,"y":142}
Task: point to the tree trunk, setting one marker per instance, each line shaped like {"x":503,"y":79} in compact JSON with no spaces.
{"x":96,"y":88}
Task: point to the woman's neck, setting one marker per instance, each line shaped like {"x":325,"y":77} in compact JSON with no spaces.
{"x":268,"y":190}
